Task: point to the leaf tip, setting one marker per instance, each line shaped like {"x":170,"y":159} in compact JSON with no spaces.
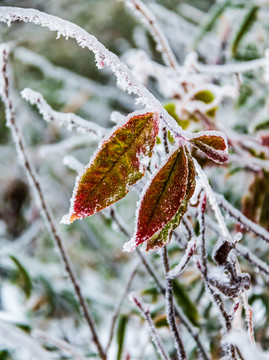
{"x":68,"y":219}
{"x":130,"y":246}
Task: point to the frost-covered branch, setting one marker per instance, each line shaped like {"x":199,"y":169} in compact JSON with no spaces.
{"x":155,"y":337}
{"x":68,"y":119}
{"x":237,"y":68}
{"x":34,"y":181}
{"x":119,"y":305}
{"x":183,"y":319}
{"x":170,"y":308}
{"x":202,"y":266}
{"x":60,"y":344}
{"x":184,"y":261}
{"x":212,"y":200}
{"x":242,"y":219}
{"x":149,"y":19}
{"x":125,"y":79}
{"x":245,"y":253}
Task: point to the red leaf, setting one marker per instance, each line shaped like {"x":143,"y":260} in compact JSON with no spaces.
{"x":162,"y":199}
{"x":163,"y":237}
{"x":214,"y":146}
{"x":115,"y":167}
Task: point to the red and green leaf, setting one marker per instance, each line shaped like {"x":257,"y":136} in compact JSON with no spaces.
{"x":162,"y":199}
{"x":118,"y":164}
{"x":213,"y":146}
{"x":163,"y":237}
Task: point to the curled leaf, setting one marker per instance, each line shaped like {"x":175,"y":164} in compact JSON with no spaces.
{"x":119,"y":163}
{"x":162,"y":198}
{"x":214,"y":146}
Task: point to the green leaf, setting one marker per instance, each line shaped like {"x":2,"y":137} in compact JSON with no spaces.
{"x":161,"y":200}
{"x":121,"y":331}
{"x":119,"y":163}
{"x":163,"y":237}
{"x":205,"y":96}
{"x":23,"y":278}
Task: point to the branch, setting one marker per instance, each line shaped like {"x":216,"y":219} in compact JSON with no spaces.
{"x":191,"y":248}
{"x":212,"y":200}
{"x":216,"y":299}
{"x":68,"y":119}
{"x":60,"y":344}
{"x":170,"y":309}
{"x":149,"y":19}
{"x":242,"y":219}
{"x":33,"y":180}
{"x":118,"y":307}
{"x":183,"y":319}
{"x":155,"y":337}
{"x":245,"y":253}
{"x":125,"y":79}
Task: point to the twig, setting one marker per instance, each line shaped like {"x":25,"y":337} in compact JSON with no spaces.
{"x":162,"y":44}
{"x":33,"y":179}
{"x":153,"y":331}
{"x":252,"y":259}
{"x":191,"y":247}
{"x":183,"y":319}
{"x":204,"y":270}
{"x":68,"y":119}
{"x":212,"y":200}
{"x":118,"y":307}
{"x":170,"y":309}
{"x":126,"y":80}
{"x":242,"y":219}
{"x":60,"y":344}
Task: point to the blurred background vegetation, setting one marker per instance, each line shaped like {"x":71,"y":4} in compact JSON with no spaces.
{"x":34,"y":292}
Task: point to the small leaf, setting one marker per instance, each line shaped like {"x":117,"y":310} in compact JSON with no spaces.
{"x":119,"y":163}
{"x":163,"y":237}
{"x":23,"y":278}
{"x":161,"y":200}
{"x":214,"y":146}
{"x":205,"y":96}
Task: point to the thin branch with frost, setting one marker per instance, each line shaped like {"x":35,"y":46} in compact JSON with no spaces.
{"x":237,"y":68}
{"x":212,"y":200}
{"x":73,"y":163}
{"x":246,"y":254}
{"x":202,"y":266}
{"x":242,"y":219}
{"x":149,"y":19}
{"x":68,"y":119}
{"x":70,"y":78}
{"x":34,"y":181}
{"x":125,"y":79}
{"x":16,"y":339}
{"x":155,"y":337}
{"x":191,"y":247}
{"x":60,"y":344}
{"x":170,"y":308}
{"x":183,"y":319}
{"x":119,"y":305}
{"x":249,"y":317}
{"x":67,"y":145}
